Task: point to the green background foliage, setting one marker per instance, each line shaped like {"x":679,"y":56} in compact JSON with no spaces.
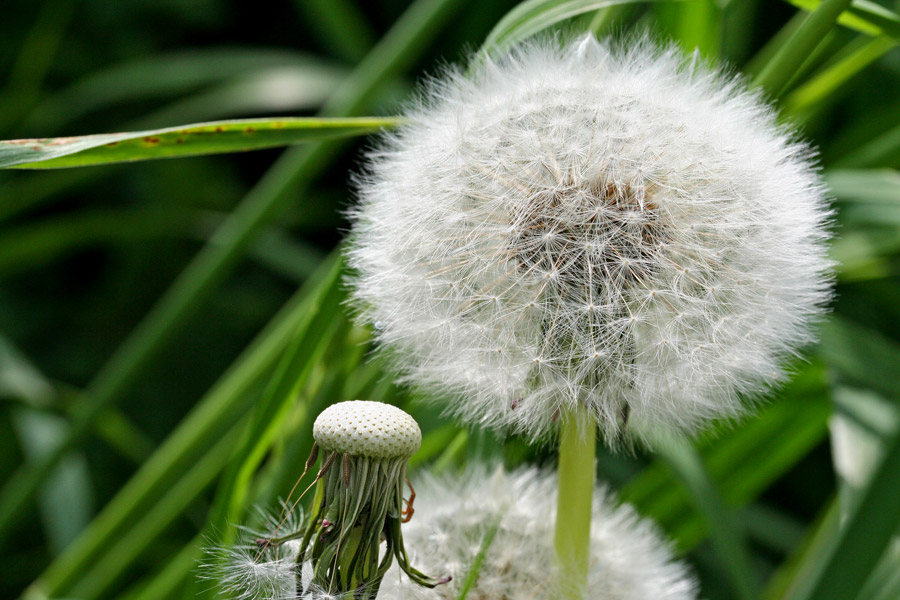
{"x":170,"y":328}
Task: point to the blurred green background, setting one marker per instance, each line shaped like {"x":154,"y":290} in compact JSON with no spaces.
{"x":86,"y":254}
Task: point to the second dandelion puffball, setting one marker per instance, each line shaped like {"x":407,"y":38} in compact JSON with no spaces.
{"x":593,"y":225}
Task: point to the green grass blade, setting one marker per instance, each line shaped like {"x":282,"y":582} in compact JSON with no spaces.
{"x":864,"y":536}
{"x":171,"y":577}
{"x":806,"y":558}
{"x":27,"y":74}
{"x":339,"y":25}
{"x":29,"y":246}
{"x":863,"y":16}
{"x":310,"y":340}
{"x":790,"y":57}
{"x":66,"y":501}
{"x":218,"y":410}
{"x":478,"y":562}
{"x":822,"y":88}
{"x":862,"y":355}
{"x":122,"y":551}
{"x":884,"y":584}
{"x":744,"y":461}
{"x":694,"y":24}
{"x":726,"y":530}
{"x":162,"y":77}
{"x":288,"y":90}
{"x":215,"y":137}
{"x":533,"y":16}
{"x":277,"y":189}
{"x":883,"y":151}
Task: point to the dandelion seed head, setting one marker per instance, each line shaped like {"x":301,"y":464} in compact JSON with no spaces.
{"x":629,"y":560}
{"x":596,"y":225}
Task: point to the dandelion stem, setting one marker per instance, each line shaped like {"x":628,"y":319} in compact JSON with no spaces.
{"x":577,"y":442}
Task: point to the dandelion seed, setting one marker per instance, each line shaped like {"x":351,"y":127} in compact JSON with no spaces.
{"x":662,"y":196}
{"x":628,"y":561}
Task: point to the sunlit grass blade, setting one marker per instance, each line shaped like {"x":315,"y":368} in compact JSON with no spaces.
{"x":66,"y":501}
{"x":822,"y":88}
{"x":613,"y":17}
{"x":533,"y":16}
{"x":693,"y":24}
{"x":862,"y":15}
{"x":215,"y":137}
{"x":884,"y":584}
{"x":725,"y":529}
{"x":782,"y":67}
{"x":863,"y":423}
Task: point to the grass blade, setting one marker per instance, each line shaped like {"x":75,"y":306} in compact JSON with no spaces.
{"x":533,"y":16}
{"x":215,"y":137}
{"x":271,"y":195}
{"x":726,"y":530}
{"x":821,"y":89}
{"x":216,"y":412}
{"x":863,"y":16}
{"x":791,"y":56}
{"x":863,"y":537}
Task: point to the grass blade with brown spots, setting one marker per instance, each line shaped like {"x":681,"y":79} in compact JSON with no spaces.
{"x":215,"y":137}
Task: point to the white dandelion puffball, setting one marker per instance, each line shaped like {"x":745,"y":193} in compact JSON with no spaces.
{"x":591,"y":224}
{"x":366,"y":428}
{"x":629,"y":560}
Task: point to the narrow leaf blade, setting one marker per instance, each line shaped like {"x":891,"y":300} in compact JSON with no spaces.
{"x":215,"y":137}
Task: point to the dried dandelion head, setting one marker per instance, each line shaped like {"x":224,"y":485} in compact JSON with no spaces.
{"x":359,"y":505}
{"x":591,"y":225}
{"x":629,"y":560}
{"x":345,"y":545}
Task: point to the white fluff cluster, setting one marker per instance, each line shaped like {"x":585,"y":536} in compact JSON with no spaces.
{"x":591,"y":224}
{"x":629,"y":560}
{"x":251,"y":569}
{"x":366,"y":428}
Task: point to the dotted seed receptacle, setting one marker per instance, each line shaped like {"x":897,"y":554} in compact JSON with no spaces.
{"x":365,"y":428}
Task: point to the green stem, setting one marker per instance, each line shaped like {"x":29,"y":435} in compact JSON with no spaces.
{"x":572,"y":539}
{"x":781,"y":69}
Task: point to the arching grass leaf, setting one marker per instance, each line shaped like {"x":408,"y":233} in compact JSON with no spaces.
{"x":189,"y":140}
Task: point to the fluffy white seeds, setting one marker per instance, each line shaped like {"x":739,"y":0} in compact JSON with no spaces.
{"x":629,"y":561}
{"x":596,"y":225}
{"x":365,"y":428}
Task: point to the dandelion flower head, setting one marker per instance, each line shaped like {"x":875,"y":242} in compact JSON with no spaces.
{"x":586,"y":223}
{"x":629,"y":560}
